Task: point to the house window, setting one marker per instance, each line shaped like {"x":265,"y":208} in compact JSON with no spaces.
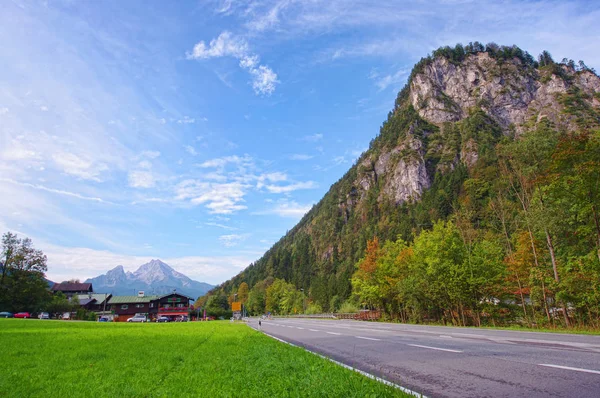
{"x":139,"y":306}
{"x":179,"y":305}
{"x":124,"y":306}
{"x":151,"y":305}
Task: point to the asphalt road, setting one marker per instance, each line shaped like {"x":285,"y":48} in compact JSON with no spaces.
{"x":454,"y":362}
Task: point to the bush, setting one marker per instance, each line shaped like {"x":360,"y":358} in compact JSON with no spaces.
{"x":348,"y":307}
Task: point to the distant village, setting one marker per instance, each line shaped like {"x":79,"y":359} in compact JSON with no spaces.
{"x":105,"y":306}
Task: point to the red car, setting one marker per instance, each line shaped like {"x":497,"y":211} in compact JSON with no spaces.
{"x":22,"y":315}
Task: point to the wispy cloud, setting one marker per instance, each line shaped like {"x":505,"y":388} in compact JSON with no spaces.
{"x":285,"y":208}
{"x":313,"y":137}
{"x":291,"y":187}
{"x":300,"y":156}
{"x":232,"y":239}
{"x":191,"y":150}
{"x":396,"y":79}
{"x":264,"y":80}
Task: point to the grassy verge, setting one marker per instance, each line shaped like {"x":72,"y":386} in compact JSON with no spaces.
{"x":208,"y":359}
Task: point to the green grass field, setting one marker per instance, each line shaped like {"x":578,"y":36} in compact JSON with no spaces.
{"x":200,"y":359}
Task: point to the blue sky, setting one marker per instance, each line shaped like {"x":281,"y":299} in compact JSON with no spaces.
{"x":200,"y":132}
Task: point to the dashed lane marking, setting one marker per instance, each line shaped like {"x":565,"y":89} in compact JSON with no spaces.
{"x":433,"y":348}
{"x":549,"y":365}
{"x":367,"y":338}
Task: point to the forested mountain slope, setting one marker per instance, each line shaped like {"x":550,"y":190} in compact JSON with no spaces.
{"x":481,"y":186}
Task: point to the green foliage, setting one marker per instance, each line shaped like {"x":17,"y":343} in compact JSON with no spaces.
{"x":22,"y":283}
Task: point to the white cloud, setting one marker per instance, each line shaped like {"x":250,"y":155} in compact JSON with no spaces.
{"x":78,"y":166}
{"x":313,"y":138}
{"x":286,"y":208}
{"x":223,"y":226}
{"x":299,"y":156}
{"x":141,"y":179}
{"x":44,"y":108}
{"x":291,"y":187}
{"x":144,"y":164}
{"x":3,"y":111}
{"x":186,"y":120}
{"x":219,"y":198}
{"x":222,"y":162}
{"x":56,"y":191}
{"x":264,"y":79}
{"x":232,"y":239}
{"x":225,"y":45}
{"x":191,"y":150}
{"x":150,"y":154}
{"x":396,"y":79}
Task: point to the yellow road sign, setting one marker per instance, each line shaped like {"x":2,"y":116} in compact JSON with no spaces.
{"x":236,"y":306}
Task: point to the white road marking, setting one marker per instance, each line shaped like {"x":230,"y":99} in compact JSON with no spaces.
{"x":570,"y":368}
{"x":298,"y":327}
{"x":446,"y":337}
{"x":313,"y":330}
{"x":433,"y":348}
{"x":337,"y":334}
{"x":367,"y":338}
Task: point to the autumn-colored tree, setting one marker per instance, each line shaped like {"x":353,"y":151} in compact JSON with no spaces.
{"x":242,"y":294}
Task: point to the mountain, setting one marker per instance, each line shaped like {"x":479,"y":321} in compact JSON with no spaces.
{"x":484,"y":145}
{"x":155,"y":277}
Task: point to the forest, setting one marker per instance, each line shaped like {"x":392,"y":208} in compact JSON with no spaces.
{"x":512,"y":238}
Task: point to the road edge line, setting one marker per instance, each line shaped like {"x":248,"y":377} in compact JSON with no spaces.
{"x":362,"y":372}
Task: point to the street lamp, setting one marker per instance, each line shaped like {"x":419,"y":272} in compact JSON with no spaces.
{"x":303,"y":302}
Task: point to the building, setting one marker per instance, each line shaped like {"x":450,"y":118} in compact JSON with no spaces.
{"x":69,"y":289}
{"x":153,"y":306}
{"x":97,"y":302}
{"x":173,"y":305}
{"x":125,"y":307}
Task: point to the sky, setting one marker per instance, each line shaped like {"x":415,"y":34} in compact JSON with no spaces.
{"x":200,"y":132}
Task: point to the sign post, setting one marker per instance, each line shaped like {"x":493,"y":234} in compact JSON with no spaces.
{"x":236,"y":307}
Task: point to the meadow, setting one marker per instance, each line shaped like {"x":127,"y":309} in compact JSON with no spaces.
{"x":44,"y":358}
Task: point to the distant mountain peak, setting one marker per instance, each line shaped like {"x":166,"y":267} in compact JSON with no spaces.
{"x":154,"y":277}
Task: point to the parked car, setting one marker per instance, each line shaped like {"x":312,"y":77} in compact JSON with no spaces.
{"x":44,"y":315}
{"x":163,"y":319}
{"x":103,"y":319}
{"x":181,"y":318}
{"x":66,"y":316}
{"x":6,"y":315}
{"x":23,"y":315}
{"x":138,"y":318}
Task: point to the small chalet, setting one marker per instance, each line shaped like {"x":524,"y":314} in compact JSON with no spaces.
{"x":173,"y":305}
{"x":127,"y":306}
{"x":70,"y":289}
{"x":153,"y":306}
{"x":96,"y":302}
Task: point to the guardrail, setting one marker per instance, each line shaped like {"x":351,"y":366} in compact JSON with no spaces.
{"x":359,"y":316}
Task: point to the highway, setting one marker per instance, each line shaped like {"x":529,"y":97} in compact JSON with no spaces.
{"x":441,"y":361}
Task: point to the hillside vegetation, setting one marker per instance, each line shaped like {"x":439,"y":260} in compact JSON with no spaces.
{"x":477,"y":203}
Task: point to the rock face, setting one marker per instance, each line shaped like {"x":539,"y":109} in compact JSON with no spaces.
{"x":508,"y":92}
{"x":155,"y":277}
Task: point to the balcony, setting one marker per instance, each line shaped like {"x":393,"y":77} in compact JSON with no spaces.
{"x":173,"y":309}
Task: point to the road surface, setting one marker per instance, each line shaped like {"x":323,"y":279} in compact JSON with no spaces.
{"x":454,"y":362}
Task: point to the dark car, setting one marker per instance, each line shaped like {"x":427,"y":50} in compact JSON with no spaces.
{"x":23,"y":315}
{"x":163,"y":319}
{"x":6,"y":315}
{"x":103,"y":319}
